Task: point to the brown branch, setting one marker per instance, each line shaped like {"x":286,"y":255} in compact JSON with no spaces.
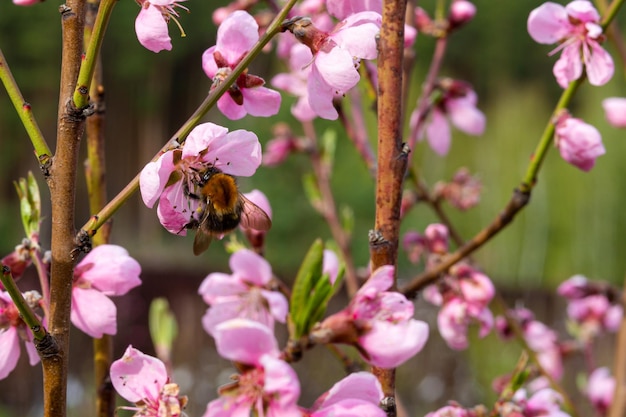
{"x":518,"y":201}
{"x":62,"y":181}
{"x":392,"y":158}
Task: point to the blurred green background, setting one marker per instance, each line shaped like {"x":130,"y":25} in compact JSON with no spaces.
{"x":574,"y":224}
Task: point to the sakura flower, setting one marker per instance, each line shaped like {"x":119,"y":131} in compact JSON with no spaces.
{"x":268,"y":386}
{"x":143,"y":380}
{"x":456,"y":103}
{"x":12,"y":329}
{"x":463,"y":192}
{"x":377,"y":322}
{"x":26,"y":2}
{"x":545,"y":402}
{"x":18,"y":260}
{"x":600,"y":390}
{"x":615,"y":111}
{"x":257,"y":237}
{"x":235,"y":37}
{"x":464,"y":295}
{"x":106,"y":271}
{"x":336,"y":56}
{"x":576,"y":27}
{"x":357,"y":395}
{"x":461,"y":12}
{"x":242,"y":294}
{"x":579,"y":143}
{"x":173,"y":179}
{"x":151,"y":23}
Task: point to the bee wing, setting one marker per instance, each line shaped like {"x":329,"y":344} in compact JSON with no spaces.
{"x":201,"y":242}
{"x":253,"y":216}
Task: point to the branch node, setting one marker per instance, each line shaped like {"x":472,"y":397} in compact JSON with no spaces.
{"x":65,"y":11}
{"x":82,"y":242}
{"x":388,"y":405}
{"x":376,"y":238}
{"x":47,"y":347}
{"x":45,"y":163}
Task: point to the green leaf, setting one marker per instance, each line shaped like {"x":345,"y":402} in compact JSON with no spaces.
{"x":347,"y":219}
{"x":306,"y":280}
{"x":30,"y":204}
{"x":163,"y":328}
{"x":311,"y":190}
{"x":328,"y":144}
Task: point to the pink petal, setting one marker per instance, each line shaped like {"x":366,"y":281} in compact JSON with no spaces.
{"x":217,"y":285}
{"x":174,"y":217}
{"x":438,"y":133}
{"x":465,"y":116}
{"x":342,"y":8}
{"x":582,"y":10}
{"x":321,"y":96}
{"x":93,"y":312}
{"x":208,"y":63}
{"x":390,"y":345}
{"x":151,"y":29}
{"x":358,"y":35}
{"x":245,"y":341}
{"x":350,"y":408}
{"x":380,"y":280}
{"x":236,"y":36}
{"x":221,"y":312}
{"x":599,"y":66}
{"x":31,"y":350}
{"x":201,"y":138}
{"x":250,"y":267}
{"x":330,"y":265}
{"x":302,"y":110}
{"x":154,"y":177}
{"x":336,"y":68}
{"x":261,"y":101}
{"x":281,"y":381}
{"x":615,"y":111}
{"x":137,"y":376}
{"x":238,"y":153}
{"x":278,"y":304}
{"x":360,"y":385}
{"x":230,"y":108}
{"x":579,"y":143}
{"x":9,"y":350}
{"x":569,"y":66}
{"x":112,"y":270}
{"x":260,"y":199}
{"x":549,"y":23}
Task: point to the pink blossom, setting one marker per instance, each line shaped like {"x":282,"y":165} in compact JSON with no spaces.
{"x":600,"y":389}
{"x":106,"y":271}
{"x":454,"y":319}
{"x":176,"y":174}
{"x":151,"y":23}
{"x":615,"y":111}
{"x":574,"y":288}
{"x":453,"y":410}
{"x":269,"y":386}
{"x":576,"y":27}
{"x":544,"y":341}
{"x":235,"y":37}
{"x":17,"y":261}
{"x":461,"y":12}
{"x":378,"y":323}
{"x":458,"y":104}
{"x":12,"y":329}
{"x":336,"y":57}
{"x":143,"y":380}
{"x":295,"y":82}
{"x":545,"y":402}
{"x":357,"y":395}
{"x":463,"y":192}
{"x":330,"y":265}
{"x":579,"y":143}
{"x":26,"y":3}
{"x":242,"y":294}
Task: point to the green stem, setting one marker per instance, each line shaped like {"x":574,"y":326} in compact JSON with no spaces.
{"x":96,"y":221}
{"x":546,"y":138}
{"x":611,"y":13}
{"x":26,"y":313}
{"x":42,"y":150}
{"x":88,"y":66}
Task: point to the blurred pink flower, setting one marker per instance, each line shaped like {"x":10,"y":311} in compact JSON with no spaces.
{"x":269,"y":386}
{"x":615,"y":111}
{"x":235,"y":37}
{"x":463,"y":192}
{"x":576,"y":27}
{"x":378,"y":323}
{"x":453,"y":410}
{"x":243,"y":294}
{"x":151,"y":23}
{"x":461,"y":12}
{"x":600,"y":390}
{"x":458,"y":104}
{"x":545,"y":402}
{"x":12,"y":329}
{"x":106,"y":271}
{"x":143,"y":380}
{"x":579,"y":143}
{"x":26,"y":2}
{"x":175,"y":174}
